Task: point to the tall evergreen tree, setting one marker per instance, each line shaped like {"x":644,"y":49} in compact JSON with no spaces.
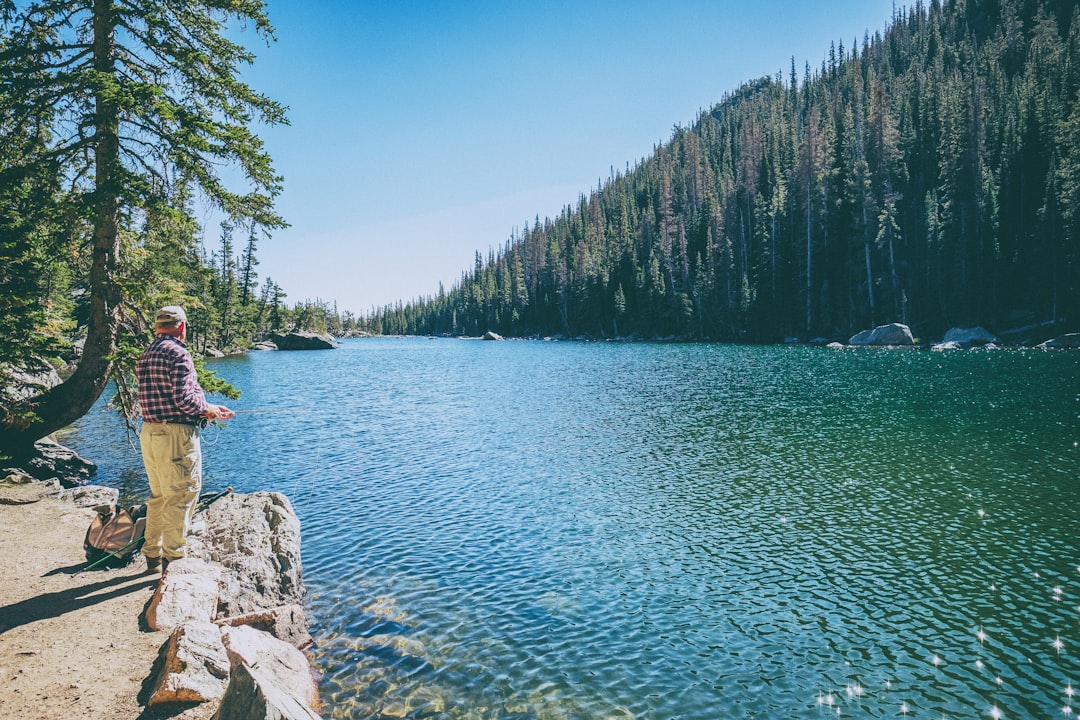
{"x":146,"y":101}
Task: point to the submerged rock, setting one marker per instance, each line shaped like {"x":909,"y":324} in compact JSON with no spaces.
{"x":892,"y":334}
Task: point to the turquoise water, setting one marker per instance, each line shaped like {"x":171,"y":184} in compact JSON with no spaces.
{"x":571,"y":530}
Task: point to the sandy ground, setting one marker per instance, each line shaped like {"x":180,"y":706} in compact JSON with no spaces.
{"x":72,"y":645}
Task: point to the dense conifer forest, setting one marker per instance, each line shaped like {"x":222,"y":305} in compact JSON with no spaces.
{"x":928,"y":174}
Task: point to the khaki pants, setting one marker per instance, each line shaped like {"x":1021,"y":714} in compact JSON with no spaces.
{"x":173,"y":458}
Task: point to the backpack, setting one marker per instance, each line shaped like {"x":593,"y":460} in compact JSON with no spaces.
{"x":115,"y":536}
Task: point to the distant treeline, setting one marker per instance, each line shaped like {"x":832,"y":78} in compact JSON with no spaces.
{"x":929,"y":175}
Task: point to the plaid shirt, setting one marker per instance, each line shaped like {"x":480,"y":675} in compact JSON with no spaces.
{"x":168,"y":388}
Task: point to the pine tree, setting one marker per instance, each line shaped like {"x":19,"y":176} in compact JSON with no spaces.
{"x":153,"y":88}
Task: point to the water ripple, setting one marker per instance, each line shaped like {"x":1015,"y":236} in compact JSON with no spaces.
{"x":551,"y":530}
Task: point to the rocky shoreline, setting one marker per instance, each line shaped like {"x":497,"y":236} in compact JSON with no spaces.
{"x":233,"y":608}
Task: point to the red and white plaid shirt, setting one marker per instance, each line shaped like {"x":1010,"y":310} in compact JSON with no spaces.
{"x":168,"y":387}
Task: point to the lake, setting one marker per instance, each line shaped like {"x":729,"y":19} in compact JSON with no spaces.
{"x":531,"y":529}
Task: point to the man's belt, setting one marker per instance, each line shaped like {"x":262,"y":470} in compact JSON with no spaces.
{"x":191,"y":422}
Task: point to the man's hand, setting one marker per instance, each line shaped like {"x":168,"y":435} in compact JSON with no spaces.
{"x":218,"y":412}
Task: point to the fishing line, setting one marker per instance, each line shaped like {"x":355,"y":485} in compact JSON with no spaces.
{"x":272,"y":410}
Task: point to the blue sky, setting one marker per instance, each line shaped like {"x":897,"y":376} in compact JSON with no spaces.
{"x":422,"y":132}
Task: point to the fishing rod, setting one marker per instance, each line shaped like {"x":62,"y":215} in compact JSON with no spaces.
{"x":209,"y":499}
{"x":113,"y":554}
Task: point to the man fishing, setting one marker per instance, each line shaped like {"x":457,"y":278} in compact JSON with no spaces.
{"x":174,"y":408}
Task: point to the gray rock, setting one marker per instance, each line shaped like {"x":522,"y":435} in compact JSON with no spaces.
{"x":256,"y":538}
{"x":17,"y":476}
{"x":288,"y":666}
{"x":91,"y":496}
{"x":969,"y":337}
{"x":300,"y":340}
{"x":196,"y":666}
{"x":188,"y":592}
{"x":51,"y":461}
{"x":287,"y":623}
{"x":25,"y":385}
{"x":490,"y":335}
{"x":254,"y":695}
{"x":16,"y":491}
{"x":892,"y":334}
{"x":1070,"y":341}
{"x":948,"y":345}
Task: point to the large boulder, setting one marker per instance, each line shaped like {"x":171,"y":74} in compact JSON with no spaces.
{"x":970,"y":337}
{"x":492,"y":335}
{"x":235,"y":601}
{"x":23,"y":385}
{"x":254,"y":694}
{"x":891,"y":334}
{"x":256,"y":538}
{"x":188,"y":591}
{"x":1069,"y":341}
{"x":289,"y":666}
{"x":50,"y":462}
{"x":300,"y":340}
{"x":195,"y":668}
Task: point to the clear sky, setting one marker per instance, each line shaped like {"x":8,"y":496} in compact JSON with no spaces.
{"x":425,"y":130}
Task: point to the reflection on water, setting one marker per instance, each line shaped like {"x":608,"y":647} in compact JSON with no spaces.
{"x":565,"y":530}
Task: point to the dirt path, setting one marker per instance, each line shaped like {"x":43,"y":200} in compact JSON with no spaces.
{"x":71,"y":645}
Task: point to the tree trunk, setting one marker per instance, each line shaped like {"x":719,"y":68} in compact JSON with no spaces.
{"x":64,"y":404}
{"x":809,"y":259}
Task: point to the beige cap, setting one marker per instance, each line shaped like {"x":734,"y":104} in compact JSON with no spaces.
{"x":170,"y":314}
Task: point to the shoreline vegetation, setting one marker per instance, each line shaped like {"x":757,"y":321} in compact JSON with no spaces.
{"x":1040,"y":336}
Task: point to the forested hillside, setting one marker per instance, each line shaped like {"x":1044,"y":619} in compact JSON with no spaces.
{"x":928,"y":174}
